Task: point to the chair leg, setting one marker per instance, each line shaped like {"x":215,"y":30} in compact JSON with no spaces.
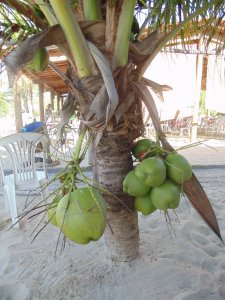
{"x":10,"y":193}
{"x":6,"y":201}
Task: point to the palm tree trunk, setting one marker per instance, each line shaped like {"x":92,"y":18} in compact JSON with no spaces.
{"x":114,"y":161}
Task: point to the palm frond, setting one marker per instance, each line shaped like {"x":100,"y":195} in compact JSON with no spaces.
{"x":157,"y":88}
{"x":17,"y":23}
{"x":106,"y":100}
{"x":183,"y":20}
{"x":22,"y":8}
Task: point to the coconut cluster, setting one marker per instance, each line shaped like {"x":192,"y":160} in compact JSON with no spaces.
{"x":156,"y":182}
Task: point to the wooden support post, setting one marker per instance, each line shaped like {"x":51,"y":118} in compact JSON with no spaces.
{"x":58,"y":103}
{"x":41,"y":102}
{"x":17,"y":107}
{"x":52,"y":100}
{"x":61,"y":104}
{"x":199,"y":67}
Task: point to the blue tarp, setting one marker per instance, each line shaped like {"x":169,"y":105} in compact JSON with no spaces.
{"x":32,"y":127}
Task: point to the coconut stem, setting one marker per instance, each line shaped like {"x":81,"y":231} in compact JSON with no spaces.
{"x":44,"y":7}
{"x":92,"y":11}
{"x":75,"y":38}
{"x":77,"y":150}
{"x":123,"y":33}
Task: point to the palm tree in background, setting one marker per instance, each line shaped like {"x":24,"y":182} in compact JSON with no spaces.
{"x":108,"y":53}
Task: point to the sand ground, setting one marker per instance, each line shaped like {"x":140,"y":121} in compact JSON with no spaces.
{"x":186,"y":262}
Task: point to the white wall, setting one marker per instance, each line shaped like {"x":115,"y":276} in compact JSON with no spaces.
{"x":215,"y":90}
{"x":179,"y":72}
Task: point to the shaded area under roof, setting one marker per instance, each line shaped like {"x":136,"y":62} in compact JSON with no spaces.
{"x":49,"y":78}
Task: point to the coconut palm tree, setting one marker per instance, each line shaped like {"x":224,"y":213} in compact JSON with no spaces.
{"x":108,"y":53}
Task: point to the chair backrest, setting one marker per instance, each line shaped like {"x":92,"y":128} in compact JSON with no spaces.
{"x":21,"y":148}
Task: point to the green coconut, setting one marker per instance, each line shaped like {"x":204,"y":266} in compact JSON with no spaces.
{"x":166,"y":196}
{"x":81,"y":215}
{"x":151,"y":171}
{"x":133,"y":186}
{"x":178,"y":168}
{"x":144,"y":205}
{"x":142,"y":148}
{"x":39,"y":63}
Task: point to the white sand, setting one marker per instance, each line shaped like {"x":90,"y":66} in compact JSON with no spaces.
{"x":188,"y":266}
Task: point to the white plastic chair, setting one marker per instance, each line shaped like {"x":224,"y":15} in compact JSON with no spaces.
{"x":21,"y":148}
{"x":3,"y":187}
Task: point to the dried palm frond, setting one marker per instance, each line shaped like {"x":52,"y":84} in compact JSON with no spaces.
{"x":106,"y":99}
{"x":158,"y":89}
{"x":94,"y":32}
{"x":141,"y":50}
{"x":124,"y":106}
{"x":24,"y":52}
{"x":108,"y":79}
{"x":197,"y":196}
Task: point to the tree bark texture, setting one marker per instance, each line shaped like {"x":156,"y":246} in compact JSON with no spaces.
{"x":114,"y":161}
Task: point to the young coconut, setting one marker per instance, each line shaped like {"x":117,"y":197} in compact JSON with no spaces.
{"x":144,"y":205}
{"x":166,"y":195}
{"x":143,"y":148}
{"x":133,"y":186}
{"x":151,"y":171}
{"x":178,"y":168}
{"x":51,"y":213}
{"x":39,"y":62}
{"x":81,"y":215}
